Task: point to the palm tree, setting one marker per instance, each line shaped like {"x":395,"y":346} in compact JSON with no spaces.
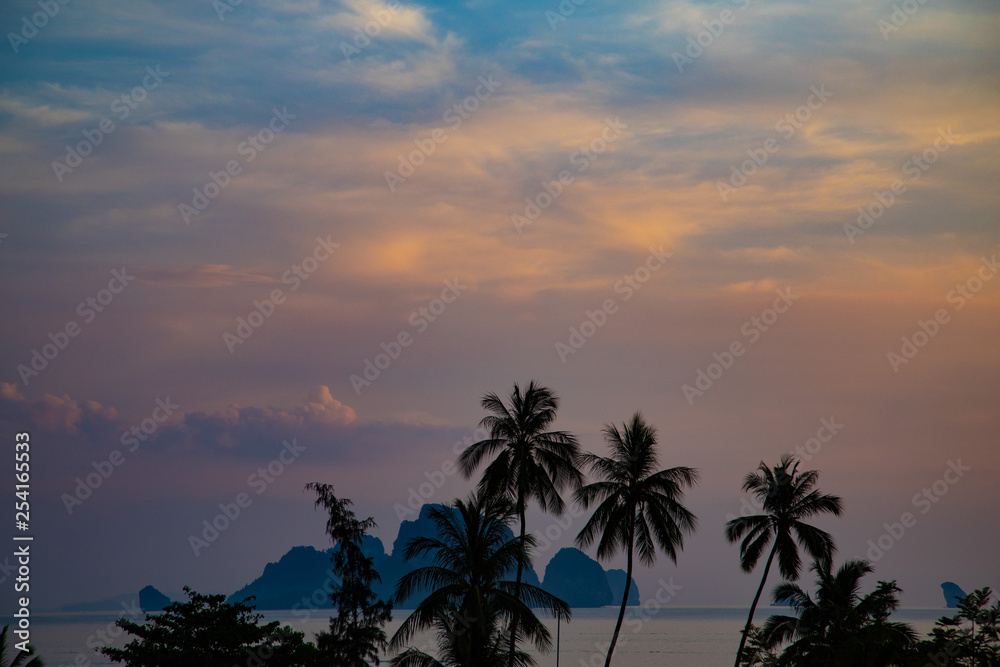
{"x":532,"y":463}
{"x":787,"y":497}
{"x":22,"y":659}
{"x":639,"y":507}
{"x":471,"y":606}
{"x":840,"y":628}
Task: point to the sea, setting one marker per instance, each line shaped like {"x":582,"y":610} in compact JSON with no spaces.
{"x":678,"y":636}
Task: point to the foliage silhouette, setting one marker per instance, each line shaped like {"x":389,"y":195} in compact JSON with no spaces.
{"x":471,"y":606}
{"x":531,"y":462}
{"x":356,"y":633}
{"x":638,"y":507}
{"x":787,"y":497}
{"x":205,"y":631}
{"x":21,"y":659}
{"x":840,"y":627}
{"x":970,"y":638}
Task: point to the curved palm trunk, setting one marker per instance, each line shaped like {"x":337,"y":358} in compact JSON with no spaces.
{"x":753,"y":607}
{"x":621,"y":610}
{"x":520,"y":566}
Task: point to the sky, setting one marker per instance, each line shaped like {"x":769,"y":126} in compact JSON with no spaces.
{"x":249,"y":245}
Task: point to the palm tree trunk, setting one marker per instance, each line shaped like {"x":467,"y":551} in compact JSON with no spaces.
{"x":621,"y":610}
{"x":517,"y":589}
{"x":753,"y":607}
{"x":558,"y":629}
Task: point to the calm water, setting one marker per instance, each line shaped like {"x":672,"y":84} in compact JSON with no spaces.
{"x":688,"y":636}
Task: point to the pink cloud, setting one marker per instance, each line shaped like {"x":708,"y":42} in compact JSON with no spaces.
{"x":54,"y":414}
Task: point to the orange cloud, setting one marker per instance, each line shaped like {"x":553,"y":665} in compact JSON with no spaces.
{"x":206,"y":275}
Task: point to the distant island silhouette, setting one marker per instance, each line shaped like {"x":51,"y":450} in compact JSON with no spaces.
{"x":151,"y":599}
{"x":952,"y":594}
{"x":303,"y":570}
{"x":298,"y":579}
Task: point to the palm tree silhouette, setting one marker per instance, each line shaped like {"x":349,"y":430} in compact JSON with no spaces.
{"x":787,"y":497}
{"x":532,"y":463}
{"x":638,"y":507}
{"x":472,"y":606}
{"x":840,"y":628}
{"x":22,"y":659}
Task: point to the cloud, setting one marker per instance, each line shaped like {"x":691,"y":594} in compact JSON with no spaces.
{"x":451,"y":219}
{"x":762,"y":255}
{"x":56,"y":415}
{"x":322,"y":407}
{"x":42,"y":114}
{"x":407,"y":21}
{"x":425,"y":69}
{"x":234,"y":428}
{"x":205,"y":275}
{"x":254,"y":430}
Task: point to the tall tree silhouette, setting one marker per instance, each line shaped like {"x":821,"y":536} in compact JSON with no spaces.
{"x":356,"y":633}
{"x":787,"y":497}
{"x":638,"y":506}
{"x":531,"y":462}
{"x":472,"y":605}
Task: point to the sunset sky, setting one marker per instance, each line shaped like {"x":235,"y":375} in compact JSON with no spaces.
{"x":757,"y":223}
